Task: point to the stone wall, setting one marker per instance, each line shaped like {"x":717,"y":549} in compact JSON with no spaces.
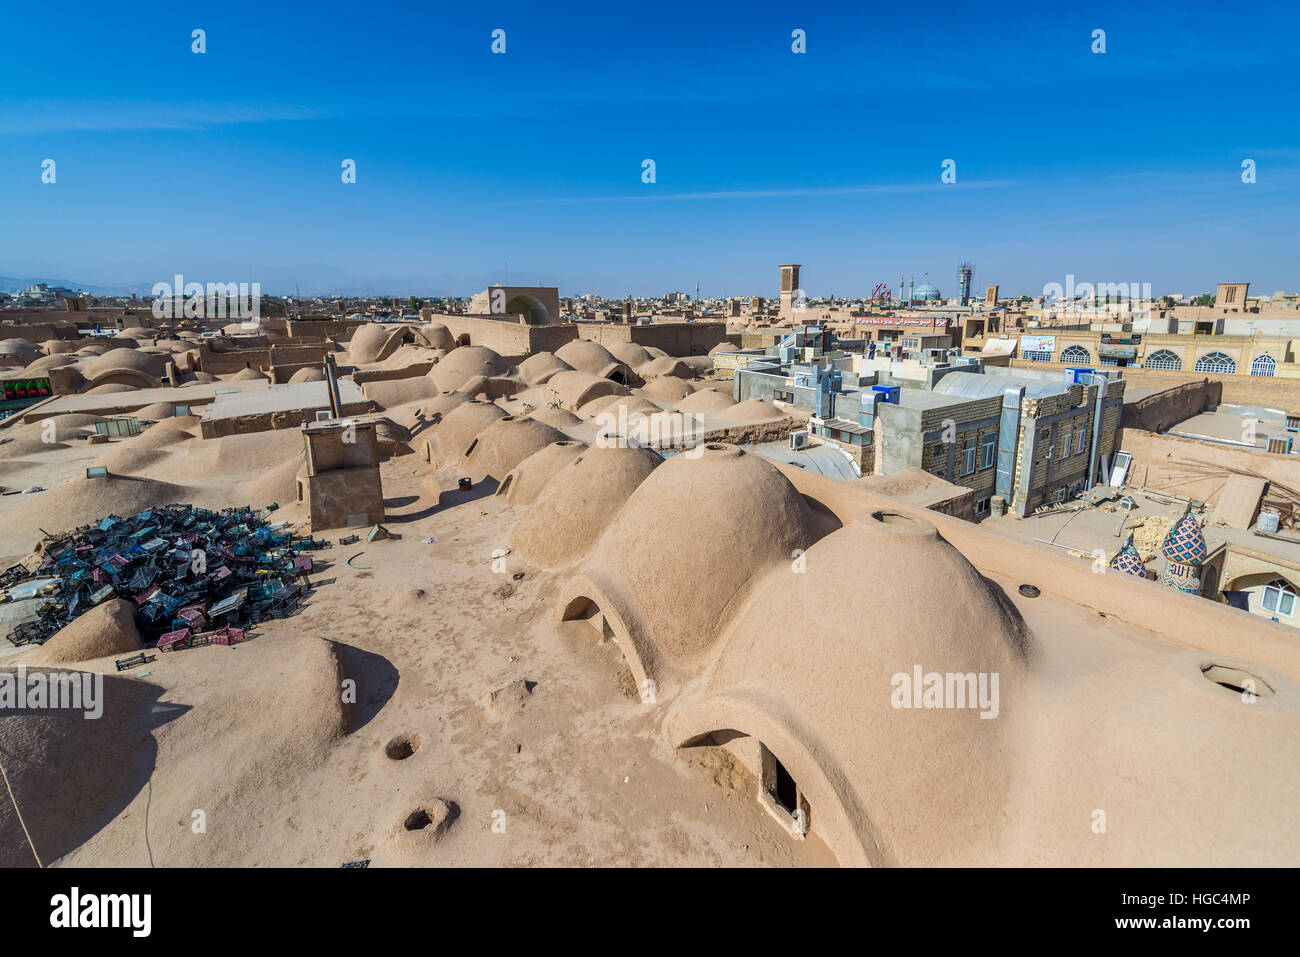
{"x":506,"y":336}
{"x":674,"y":338}
{"x":336,"y":329}
{"x":1177,"y":403}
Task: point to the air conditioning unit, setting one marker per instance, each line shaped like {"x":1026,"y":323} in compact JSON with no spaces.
{"x":798,"y":440}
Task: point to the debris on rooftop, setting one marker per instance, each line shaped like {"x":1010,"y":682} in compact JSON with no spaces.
{"x":192,"y":574}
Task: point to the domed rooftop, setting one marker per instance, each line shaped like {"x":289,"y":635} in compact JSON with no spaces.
{"x":450,"y":439}
{"x":434,"y":335}
{"x":576,"y":389}
{"x":505,"y":443}
{"x":817,"y":680}
{"x":612,"y":411}
{"x":527,"y":479}
{"x":468,"y":362}
{"x":559,"y":418}
{"x":585,"y":355}
{"x":540,"y":366}
{"x":577,"y":504}
{"x":20,"y":349}
{"x":126,"y":364}
{"x":679,"y":557}
{"x":307,"y":374}
{"x":630,"y":353}
{"x":926,"y":292}
{"x":704,"y":401}
{"x":45,"y":363}
{"x":437,"y":407}
{"x":751,"y":410}
{"x":667,"y":366}
{"x":375,"y":341}
{"x":666,"y":388}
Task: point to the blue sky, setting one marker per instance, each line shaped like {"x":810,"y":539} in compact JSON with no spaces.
{"x":225,"y":166}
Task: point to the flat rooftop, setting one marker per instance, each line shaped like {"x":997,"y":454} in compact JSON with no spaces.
{"x":290,"y":397}
{"x":116,"y":403}
{"x":1229,"y":423}
{"x":924,"y":399}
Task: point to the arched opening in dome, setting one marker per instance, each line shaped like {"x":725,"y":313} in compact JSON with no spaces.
{"x":629,"y":676}
{"x":462,"y":340}
{"x":741,"y":762}
{"x":617,"y":376}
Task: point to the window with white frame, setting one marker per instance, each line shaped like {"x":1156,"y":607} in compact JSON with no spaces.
{"x":968,"y":455}
{"x":1163,"y":359}
{"x":1279,"y":598}
{"x":1216,"y":362}
{"x":1076,"y":356}
{"x":1063,"y":436}
{"x":1037,"y":356}
{"x":982,"y":507}
{"x":1264,"y":365}
{"x":1081,"y":436}
{"x":988,"y":449}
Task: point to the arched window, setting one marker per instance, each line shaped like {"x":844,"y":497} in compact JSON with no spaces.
{"x":1216,"y":362}
{"x":1279,"y":598}
{"x":1264,"y":365}
{"x":1163,"y":359}
{"x":1076,"y":356}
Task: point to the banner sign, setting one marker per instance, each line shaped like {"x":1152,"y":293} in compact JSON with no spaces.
{"x":1037,"y":344}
